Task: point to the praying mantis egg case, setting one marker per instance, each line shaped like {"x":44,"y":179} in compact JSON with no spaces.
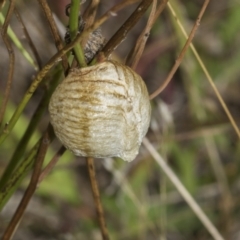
{"x":101,"y":111}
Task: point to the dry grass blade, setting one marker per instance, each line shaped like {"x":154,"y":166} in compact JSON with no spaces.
{"x":182,"y":53}
{"x":217,"y":166}
{"x":183,"y":191}
{"x":96,"y":195}
{"x":209,"y":78}
{"x":226,"y":196}
{"x":134,"y":57}
{"x":30,"y":42}
{"x":55,"y":33}
{"x":11,"y":61}
{"x":31,"y":188}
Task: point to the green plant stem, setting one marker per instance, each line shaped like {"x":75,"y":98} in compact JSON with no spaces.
{"x":20,"y":172}
{"x":42,"y":150}
{"x":17,"y":176}
{"x":73,"y":26}
{"x":18,"y":153}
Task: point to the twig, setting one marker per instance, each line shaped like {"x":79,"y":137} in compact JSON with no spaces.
{"x":89,"y":16}
{"x":90,"y":13}
{"x":160,"y":8}
{"x":51,"y":164}
{"x":134,"y":57}
{"x":28,"y":37}
{"x":96,"y":195}
{"x":11,"y":61}
{"x":54,"y":30}
{"x":182,"y":53}
{"x":126,"y":27}
{"x":31,"y":188}
{"x":137,"y":51}
{"x":183,"y":191}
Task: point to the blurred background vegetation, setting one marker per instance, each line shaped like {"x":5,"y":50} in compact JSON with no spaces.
{"x":189,"y":128}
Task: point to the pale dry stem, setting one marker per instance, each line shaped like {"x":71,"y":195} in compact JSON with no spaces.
{"x":136,"y":53}
{"x":183,"y":191}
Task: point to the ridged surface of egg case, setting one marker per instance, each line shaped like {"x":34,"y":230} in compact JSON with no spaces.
{"x":101,"y":111}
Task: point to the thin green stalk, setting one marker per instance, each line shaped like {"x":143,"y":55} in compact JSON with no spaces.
{"x":20,"y":172}
{"x":18,"y":176}
{"x":18,"y":153}
{"x":73,"y":26}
